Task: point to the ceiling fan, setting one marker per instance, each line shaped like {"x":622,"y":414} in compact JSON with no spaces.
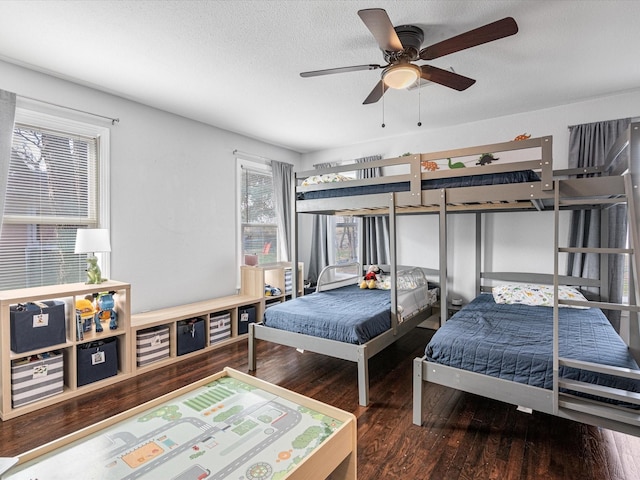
{"x":401,"y":46}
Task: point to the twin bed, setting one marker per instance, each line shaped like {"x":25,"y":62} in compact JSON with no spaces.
{"x":554,"y":359}
{"x":345,"y":321}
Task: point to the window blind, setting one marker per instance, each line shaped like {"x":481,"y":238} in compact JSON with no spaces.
{"x":51,"y":192}
{"x":259,"y":231}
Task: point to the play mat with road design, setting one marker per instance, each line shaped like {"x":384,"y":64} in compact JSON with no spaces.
{"x":225,"y":429}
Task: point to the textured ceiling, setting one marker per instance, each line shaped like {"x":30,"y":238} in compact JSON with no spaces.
{"x":236,"y":64}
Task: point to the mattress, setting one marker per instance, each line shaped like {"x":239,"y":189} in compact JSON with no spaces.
{"x":346,"y":314}
{"x":515,"y":342}
{"x":453,"y":182}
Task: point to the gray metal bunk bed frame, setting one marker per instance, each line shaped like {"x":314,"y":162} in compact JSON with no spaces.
{"x":414,"y":201}
{"x":619,"y":183}
{"x":536,"y":195}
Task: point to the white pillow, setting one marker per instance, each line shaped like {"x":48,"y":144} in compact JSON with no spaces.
{"x":326,"y":178}
{"x":537,"y":295}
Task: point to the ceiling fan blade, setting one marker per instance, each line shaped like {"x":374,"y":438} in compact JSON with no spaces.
{"x":446,"y":78}
{"x":376,"y":93}
{"x":488,"y":33}
{"x":330,"y":71}
{"x":379,"y":24}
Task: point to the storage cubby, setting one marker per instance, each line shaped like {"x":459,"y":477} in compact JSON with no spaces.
{"x":278,"y":275}
{"x":140,"y":342}
{"x":219,"y":319}
{"x":60,"y":353}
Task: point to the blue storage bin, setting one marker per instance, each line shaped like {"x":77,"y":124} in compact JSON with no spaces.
{"x":190,"y":335}
{"x":97,"y":361}
{"x":37,"y":325}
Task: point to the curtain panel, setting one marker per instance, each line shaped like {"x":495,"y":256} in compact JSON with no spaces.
{"x":375,"y":230}
{"x":282,"y":174}
{"x":588,"y":147}
{"x":7,"y":119}
{"x":319,"y":256}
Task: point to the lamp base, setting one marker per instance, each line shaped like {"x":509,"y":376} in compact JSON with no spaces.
{"x":94,"y":275}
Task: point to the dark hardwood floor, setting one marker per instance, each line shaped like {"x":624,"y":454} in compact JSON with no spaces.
{"x":463,"y":437}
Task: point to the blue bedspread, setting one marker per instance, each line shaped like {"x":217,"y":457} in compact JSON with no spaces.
{"x":514,"y":342}
{"x":347,"y":314}
{"x":466,"y":181}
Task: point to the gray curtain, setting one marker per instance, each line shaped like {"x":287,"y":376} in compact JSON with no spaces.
{"x":588,"y":147}
{"x":319,"y":256}
{"x":282,"y":178}
{"x":375,"y":230}
{"x":7,"y":118}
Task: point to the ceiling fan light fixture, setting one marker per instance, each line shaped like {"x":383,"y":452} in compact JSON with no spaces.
{"x":401,"y":76}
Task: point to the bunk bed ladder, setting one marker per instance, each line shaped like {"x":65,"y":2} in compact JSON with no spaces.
{"x":566,"y":404}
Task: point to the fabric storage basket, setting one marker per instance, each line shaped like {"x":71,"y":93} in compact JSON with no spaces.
{"x":97,"y":361}
{"x":190,"y":335}
{"x":36,"y":325}
{"x":288,"y":281}
{"x":246,"y":315}
{"x":32,"y":380}
{"x":219,"y":327}
{"x":152,"y":345}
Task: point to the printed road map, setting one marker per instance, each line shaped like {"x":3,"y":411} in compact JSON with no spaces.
{"x":226,"y":429}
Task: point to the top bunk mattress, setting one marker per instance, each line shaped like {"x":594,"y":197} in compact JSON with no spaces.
{"x":346,"y":314}
{"x":521,"y":176}
{"x":515,"y":342}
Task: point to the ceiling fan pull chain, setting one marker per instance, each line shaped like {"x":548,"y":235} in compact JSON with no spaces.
{"x":419,"y":106}
{"x":382,"y":87}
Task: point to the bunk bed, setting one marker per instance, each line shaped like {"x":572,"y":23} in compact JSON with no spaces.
{"x":411,"y":185}
{"x":562,"y":356}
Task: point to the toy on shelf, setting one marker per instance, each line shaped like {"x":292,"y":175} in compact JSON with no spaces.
{"x":105,"y":311}
{"x":94,"y":275}
{"x":270,"y":291}
{"x":84,"y":316}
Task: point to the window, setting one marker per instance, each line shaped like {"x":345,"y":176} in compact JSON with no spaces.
{"x":258,"y":224}
{"x":57,"y":183}
{"x":345,"y":245}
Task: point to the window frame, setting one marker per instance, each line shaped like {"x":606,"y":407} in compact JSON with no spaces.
{"x":31,"y":113}
{"x":250,"y":165}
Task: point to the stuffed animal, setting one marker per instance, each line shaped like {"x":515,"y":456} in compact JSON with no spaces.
{"x":429,"y":166}
{"x":520,"y":137}
{"x":486,"y":158}
{"x":371,"y":277}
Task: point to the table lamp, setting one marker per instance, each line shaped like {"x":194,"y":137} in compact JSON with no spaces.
{"x":92,"y":240}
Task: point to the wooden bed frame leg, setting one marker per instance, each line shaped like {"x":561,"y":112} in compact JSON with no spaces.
{"x":252,"y":349}
{"x":363,"y":378}
{"x":418,"y":391}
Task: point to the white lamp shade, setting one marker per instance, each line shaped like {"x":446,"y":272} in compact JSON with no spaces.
{"x":91,"y":240}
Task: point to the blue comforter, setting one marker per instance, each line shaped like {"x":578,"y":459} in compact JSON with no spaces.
{"x":515,"y":342}
{"x":347,"y":314}
{"x":452,"y":182}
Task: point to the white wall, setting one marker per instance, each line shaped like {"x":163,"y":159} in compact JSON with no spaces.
{"x":507,"y":232}
{"x":173,"y":214}
{"x":173,"y":220}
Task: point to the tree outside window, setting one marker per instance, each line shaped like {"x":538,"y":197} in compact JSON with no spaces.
{"x":259,"y":230}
